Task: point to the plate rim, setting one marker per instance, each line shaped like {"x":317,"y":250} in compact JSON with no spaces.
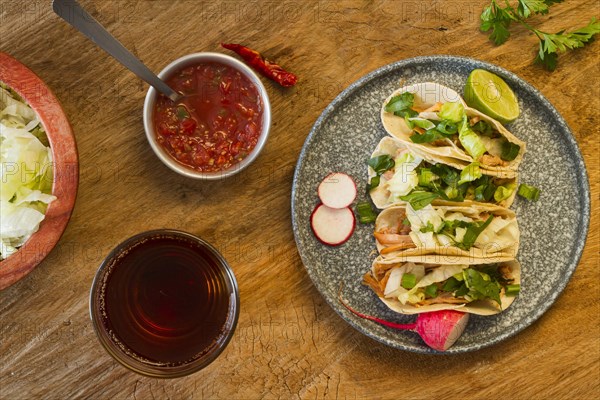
{"x":581,"y":176}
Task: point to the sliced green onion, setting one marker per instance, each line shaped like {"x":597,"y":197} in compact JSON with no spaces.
{"x":365,"y":213}
{"x":426,"y":177}
{"x":503,"y":192}
{"x":510,"y":151}
{"x":470,"y":173}
{"x":528,"y":192}
{"x":451,"y":192}
{"x":406,"y":222}
{"x":431,"y":290}
{"x":408,"y":281}
{"x":513,"y":290}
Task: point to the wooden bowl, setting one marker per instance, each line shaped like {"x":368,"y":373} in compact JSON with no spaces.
{"x":65,"y":163}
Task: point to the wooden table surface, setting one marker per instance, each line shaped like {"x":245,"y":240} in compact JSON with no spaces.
{"x":288,"y":343}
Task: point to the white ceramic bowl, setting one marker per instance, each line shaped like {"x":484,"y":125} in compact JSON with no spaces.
{"x":193,"y":59}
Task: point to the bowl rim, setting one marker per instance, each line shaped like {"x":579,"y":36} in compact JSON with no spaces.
{"x":65,"y":169}
{"x":152,"y":94}
{"x":147,"y":368}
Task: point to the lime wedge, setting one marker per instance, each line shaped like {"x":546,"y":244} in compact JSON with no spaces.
{"x":489,"y":94}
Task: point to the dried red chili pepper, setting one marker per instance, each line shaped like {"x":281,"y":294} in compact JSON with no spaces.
{"x":262,"y":65}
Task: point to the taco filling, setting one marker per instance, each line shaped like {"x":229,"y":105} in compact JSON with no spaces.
{"x":409,"y":178}
{"x":421,"y":285}
{"x":400,"y":228}
{"x":448,"y":125}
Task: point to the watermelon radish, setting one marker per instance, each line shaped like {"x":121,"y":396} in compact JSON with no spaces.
{"x":337,"y":190}
{"x":332,"y":226}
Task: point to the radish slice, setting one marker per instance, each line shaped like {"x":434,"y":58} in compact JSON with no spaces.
{"x":440,"y":329}
{"x":332,"y":226}
{"x":337,"y":190}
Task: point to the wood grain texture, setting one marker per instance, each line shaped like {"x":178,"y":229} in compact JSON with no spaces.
{"x":289,"y":343}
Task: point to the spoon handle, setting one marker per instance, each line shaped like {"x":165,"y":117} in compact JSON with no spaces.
{"x":72,"y":12}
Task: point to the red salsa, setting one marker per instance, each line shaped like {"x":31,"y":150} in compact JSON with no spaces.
{"x":216,"y":124}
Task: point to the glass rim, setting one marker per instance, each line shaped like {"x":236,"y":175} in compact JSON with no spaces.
{"x":148,"y":368}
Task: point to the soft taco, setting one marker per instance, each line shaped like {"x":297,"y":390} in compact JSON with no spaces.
{"x":398,"y":174}
{"x":437,"y":119}
{"x":412,"y":288}
{"x":447,"y":234}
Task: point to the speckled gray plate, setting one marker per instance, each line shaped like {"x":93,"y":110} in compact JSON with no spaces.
{"x":553,"y":230}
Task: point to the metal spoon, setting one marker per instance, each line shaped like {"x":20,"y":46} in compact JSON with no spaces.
{"x":72,"y":12}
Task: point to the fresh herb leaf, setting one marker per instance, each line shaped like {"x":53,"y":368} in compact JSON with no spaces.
{"x":485,"y":189}
{"x":481,"y":285}
{"x":182,"y":113}
{"x":498,"y":20}
{"x":473,"y":231}
{"x":428,"y":228}
{"x":462,"y":290}
{"x":418,"y":200}
{"x":510,"y":151}
{"x":448,"y":174}
{"x":447,"y":127}
{"x":552,"y":43}
{"x":429,"y":136}
{"x":374,"y":183}
{"x":451,"y":284}
{"x":527,"y":7}
{"x":380,"y":165}
{"x":483,"y":128}
{"x":406,"y":222}
{"x":401,"y":104}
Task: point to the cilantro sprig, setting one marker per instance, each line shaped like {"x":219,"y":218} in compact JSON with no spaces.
{"x":499,"y":19}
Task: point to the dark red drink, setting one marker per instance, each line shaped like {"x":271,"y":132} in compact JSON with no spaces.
{"x":165,"y":299}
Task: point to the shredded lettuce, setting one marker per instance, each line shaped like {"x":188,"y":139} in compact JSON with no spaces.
{"x":25,"y":172}
{"x":452,"y":112}
{"x":470,"y":140}
{"x":470,"y":173}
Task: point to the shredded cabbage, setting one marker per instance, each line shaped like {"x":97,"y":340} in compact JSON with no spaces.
{"x":25,"y":172}
{"x":405,"y":178}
